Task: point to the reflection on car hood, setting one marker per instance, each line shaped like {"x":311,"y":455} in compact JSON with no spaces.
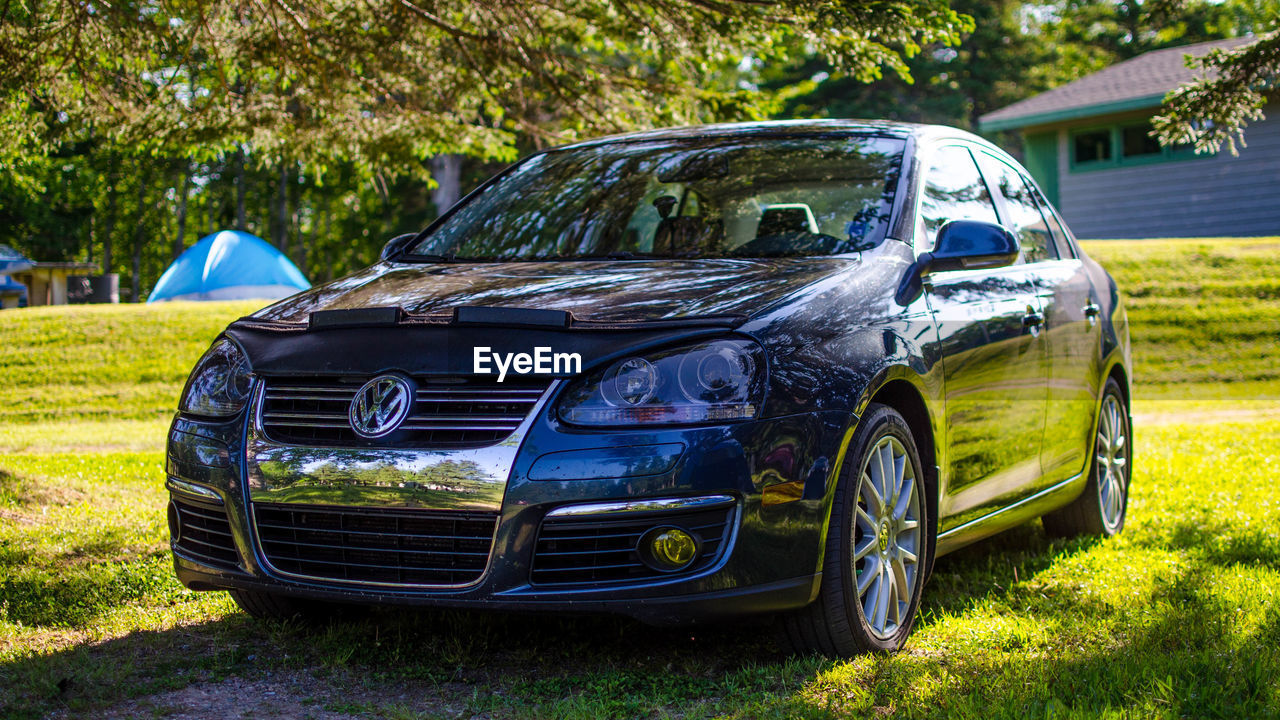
{"x":603,"y":291}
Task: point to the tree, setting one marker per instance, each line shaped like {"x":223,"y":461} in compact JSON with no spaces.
{"x":1231,"y":93}
{"x":999,"y":60}
{"x":386,"y":85}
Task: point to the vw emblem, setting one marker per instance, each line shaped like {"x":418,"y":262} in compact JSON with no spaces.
{"x":379,"y":406}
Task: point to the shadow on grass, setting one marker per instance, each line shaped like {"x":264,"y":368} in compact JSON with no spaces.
{"x":1179,"y":650}
{"x":541,"y":657}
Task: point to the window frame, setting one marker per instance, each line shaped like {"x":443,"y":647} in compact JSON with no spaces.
{"x":1005,"y":213}
{"x":926,"y":156}
{"x":1115,"y":130}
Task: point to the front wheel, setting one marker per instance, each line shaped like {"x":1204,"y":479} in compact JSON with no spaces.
{"x":1100,"y":509}
{"x":877,"y":549}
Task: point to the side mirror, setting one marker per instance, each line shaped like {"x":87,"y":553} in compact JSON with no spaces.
{"x":961,"y":245}
{"x":395,"y":245}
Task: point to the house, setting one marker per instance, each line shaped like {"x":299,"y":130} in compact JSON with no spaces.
{"x":1088,"y":146}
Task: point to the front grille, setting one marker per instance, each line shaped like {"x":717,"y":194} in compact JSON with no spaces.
{"x":576,"y":550}
{"x":375,"y":546}
{"x":453,"y":412}
{"x":201,"y":532}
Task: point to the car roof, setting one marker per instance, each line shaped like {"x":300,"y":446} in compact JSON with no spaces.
{"x":780,"y":127}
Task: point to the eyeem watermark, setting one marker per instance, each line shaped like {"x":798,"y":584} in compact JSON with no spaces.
{"x":542,"y":362}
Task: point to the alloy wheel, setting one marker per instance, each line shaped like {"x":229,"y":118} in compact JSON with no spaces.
{"x":887,"y":537}
{"x":1112,"y":463}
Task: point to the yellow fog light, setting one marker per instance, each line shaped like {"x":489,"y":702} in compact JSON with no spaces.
{"x":668,"y":548}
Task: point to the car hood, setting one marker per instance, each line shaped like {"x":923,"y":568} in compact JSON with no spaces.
{"x":602,"y":291}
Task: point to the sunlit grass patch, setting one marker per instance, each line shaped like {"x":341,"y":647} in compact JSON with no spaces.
{"x":1200,"y":309}
{"x":84,"y":436}
{"x":98,"y":361}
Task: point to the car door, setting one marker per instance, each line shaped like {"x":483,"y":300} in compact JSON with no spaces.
{"x":1070,"y":332}
{"x":1073,"y":333}
{"x":994,"y":362}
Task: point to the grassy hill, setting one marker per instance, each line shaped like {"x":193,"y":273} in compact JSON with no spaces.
{"x":1201,"y":310}
{"x":104,"y":361}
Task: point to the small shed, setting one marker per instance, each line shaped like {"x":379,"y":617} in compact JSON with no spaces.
{"x":41,"y":283}
{"x":1089,"y":146}
{"x":229,"y":265}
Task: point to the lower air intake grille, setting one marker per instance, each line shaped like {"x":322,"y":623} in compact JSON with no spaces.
{"x":201,"y":532}
{"x":448,"y":412}
{"x":375,"y":546}
{"x":577,"y":550}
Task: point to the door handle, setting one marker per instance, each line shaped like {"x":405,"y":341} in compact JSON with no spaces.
{"x":1091,"y":312}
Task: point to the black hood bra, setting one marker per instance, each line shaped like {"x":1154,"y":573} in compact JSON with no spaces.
{"x":593,"y":291}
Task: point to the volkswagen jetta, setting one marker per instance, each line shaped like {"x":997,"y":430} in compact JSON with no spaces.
{"x":770,"y":368}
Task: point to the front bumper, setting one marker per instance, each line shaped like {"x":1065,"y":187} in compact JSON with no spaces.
{"x":778,"y":474}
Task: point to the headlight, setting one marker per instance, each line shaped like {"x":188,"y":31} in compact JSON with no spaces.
{"x":718,"y":381}
{"x":219,"y":386}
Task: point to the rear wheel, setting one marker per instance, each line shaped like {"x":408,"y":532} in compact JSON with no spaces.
{"x":1100,"y":509}
{"x":877,"y":547}
{"x":276,"y":607}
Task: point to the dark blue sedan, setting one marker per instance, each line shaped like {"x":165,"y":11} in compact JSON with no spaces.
{"x":773,"y":368}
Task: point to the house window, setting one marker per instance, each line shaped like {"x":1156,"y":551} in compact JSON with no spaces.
{"x":1120,"y":145}
{"x":1136,"y":141}
{"x":1092,"y":146}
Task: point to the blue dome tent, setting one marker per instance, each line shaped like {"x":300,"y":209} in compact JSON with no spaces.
{"x":229,"y":265}
{"x":12,"y":261}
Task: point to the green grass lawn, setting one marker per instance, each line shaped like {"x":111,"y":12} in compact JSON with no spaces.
{"x":1178,"y":617}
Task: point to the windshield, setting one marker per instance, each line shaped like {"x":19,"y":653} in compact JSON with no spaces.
{"x":707,"y":198}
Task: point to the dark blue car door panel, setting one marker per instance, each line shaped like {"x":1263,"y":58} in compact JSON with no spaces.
{"x":995,"y":368}
{"x":1072,"y":336}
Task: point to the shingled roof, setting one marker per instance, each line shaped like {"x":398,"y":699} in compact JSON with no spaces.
{"x":1137,"y":83}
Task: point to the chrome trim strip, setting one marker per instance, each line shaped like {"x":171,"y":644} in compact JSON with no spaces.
{"x":1007,"y":508}
{"x":191,"y":489}
{"x":704,"y":502}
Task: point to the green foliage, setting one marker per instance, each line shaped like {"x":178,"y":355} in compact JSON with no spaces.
{"x":129,"y":129}
{"x":1015,"y":50}
{"x":385,"y":86}
{"x":1235,"y":85}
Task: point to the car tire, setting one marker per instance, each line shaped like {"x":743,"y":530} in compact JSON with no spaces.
{"x":865,"y":538}
{"x":1100,"y":510}
{"x":280,"y":608}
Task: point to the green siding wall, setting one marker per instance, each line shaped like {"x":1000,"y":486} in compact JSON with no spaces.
{"x":1041,"y":152}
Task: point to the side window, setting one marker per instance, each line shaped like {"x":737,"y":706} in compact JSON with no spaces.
{"x":1061,"y":240}
{"x":1068,"y":247}
{"x":1025,"y":218}
{"x":953,"y":190}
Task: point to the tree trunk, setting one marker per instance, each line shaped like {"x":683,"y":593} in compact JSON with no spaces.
{"x":180,"y":238}
{"x":446,"y":170}
{"x":282,"y":211}
{"x":109,"y":227}
{"x":139,"y":237}
{"x":328,"y":254}
{"x":240,"y":221}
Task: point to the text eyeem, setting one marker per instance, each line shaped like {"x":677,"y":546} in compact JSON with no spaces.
{"x":542,"y":362}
